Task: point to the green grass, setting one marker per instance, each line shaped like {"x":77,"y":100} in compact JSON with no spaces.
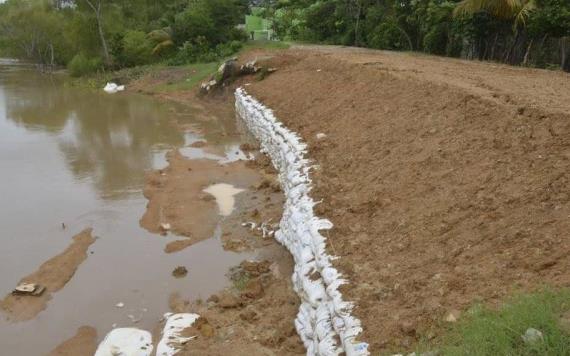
{"x":197,"y":73}
{"x":485,"y":332}
{"x":269,"y":45}
{"x":240,"y":280}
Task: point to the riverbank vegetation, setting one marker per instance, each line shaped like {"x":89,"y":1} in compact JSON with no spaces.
{"x":522,"y":32}
{"x":526,"y":325}
{"x":92,"y":35}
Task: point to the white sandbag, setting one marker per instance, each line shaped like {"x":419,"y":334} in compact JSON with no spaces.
{"x":126,"y":342}
{"x":112,"y":88}
{"x":323,"y":316}
{"x":172,"y":338}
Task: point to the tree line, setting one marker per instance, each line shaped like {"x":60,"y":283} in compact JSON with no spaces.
{"x":89,"y":35}
{"x":519,"y":32}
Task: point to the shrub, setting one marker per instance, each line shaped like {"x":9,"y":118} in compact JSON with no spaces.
{"x":137,"y":48}
{"x":199,"y":51}
{"x":81,"y":65}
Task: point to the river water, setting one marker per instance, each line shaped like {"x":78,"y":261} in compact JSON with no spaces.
{"x":78,"y":157}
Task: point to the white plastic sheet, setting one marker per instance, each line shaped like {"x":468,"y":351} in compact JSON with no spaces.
{"x":172,"y":337}
{"x":324,"y":321}
{"x":126,"y":342}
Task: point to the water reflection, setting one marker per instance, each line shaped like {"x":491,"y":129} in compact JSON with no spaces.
{"x":105,"y":138}
{"x":79,"y":157}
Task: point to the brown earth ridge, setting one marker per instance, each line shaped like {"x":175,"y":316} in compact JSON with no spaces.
{"x":446,"y":180}
{"x":53,"y":275}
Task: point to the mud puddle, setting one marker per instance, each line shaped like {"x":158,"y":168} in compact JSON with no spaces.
{"x":225,"y":197}
{"x":74,"y":159}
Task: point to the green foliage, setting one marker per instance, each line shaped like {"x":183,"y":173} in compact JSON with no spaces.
{"x":486,"y":332}
{"x":81,"y":65}
{"x":212,"y":21}
{"x":500,"y":30}
{"x":122,"y":33}
{"x":388,"y":35}
{"x":200,"y":51}
{"x":137,"y":49}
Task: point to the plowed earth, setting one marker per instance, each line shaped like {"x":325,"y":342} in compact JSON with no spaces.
{"x":446,"y":180}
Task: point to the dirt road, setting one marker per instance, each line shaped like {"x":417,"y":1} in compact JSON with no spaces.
{"x":446,"y":180}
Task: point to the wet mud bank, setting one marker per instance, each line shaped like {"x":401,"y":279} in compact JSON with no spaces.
{"x":232,"y":194}
{"x":49,"y":278}
{"x":184,"y":217}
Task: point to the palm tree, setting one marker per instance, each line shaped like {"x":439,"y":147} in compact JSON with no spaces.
{"x":510,"y":10}
{"x":516,"y":10}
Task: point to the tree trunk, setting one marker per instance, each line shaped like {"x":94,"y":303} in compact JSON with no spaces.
{"x":527,"y":54}
{"x":103,"y":40}
{"x":99,"y":19}
{"x":407,"y":37}
{"x":564,"y":59}
{"x":492,"y":56}
{"x":356,"y":27}
{"x":510,"y":51}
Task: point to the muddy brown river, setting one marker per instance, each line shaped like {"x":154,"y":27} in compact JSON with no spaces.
{"x":78,"y":158}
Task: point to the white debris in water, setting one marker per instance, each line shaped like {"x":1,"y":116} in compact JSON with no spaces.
{"x":224,"y":194}
{"x":120,"y":305}
{"x":112,"y":88}
{"x":249,"y":224}
{"x":126,"y":342}
{"x":323,"y":316}
{"x":266,"y":228}
{"x":172,"y":338}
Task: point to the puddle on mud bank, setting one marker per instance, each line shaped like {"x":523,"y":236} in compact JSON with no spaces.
{"x":225,"y":197}
{"x":79,"y":158}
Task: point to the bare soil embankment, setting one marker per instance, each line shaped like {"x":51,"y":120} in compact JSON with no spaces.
{"x":446,"y":180}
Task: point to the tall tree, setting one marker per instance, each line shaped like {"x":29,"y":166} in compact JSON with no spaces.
{"x":95,"y":5}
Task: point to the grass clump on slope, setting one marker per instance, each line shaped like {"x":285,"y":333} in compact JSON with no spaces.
{"x":486,"y":332}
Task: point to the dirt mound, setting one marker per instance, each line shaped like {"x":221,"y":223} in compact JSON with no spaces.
{"x":445,"y":185}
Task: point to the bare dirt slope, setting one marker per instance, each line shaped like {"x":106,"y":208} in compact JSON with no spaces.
{"x":446,"y":180}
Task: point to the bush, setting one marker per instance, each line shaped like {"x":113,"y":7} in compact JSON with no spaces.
{"x":388,"y":36}
{"x":201,"y":52}
{"x":81,"y":65}
{"x":137,"y":48}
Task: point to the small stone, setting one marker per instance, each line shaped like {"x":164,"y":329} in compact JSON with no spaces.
{"x":206,"y":330}
{"x":253,"y":289}
{"x":213,"y":298}
{"x":452,"y":316}
{"x":407,"y":327}
{"x":228,"y":300}
{"x":256,"y":268}
{"x":180,"y":272}
{"x":249,"y":314}
{"x":532,"y":336}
